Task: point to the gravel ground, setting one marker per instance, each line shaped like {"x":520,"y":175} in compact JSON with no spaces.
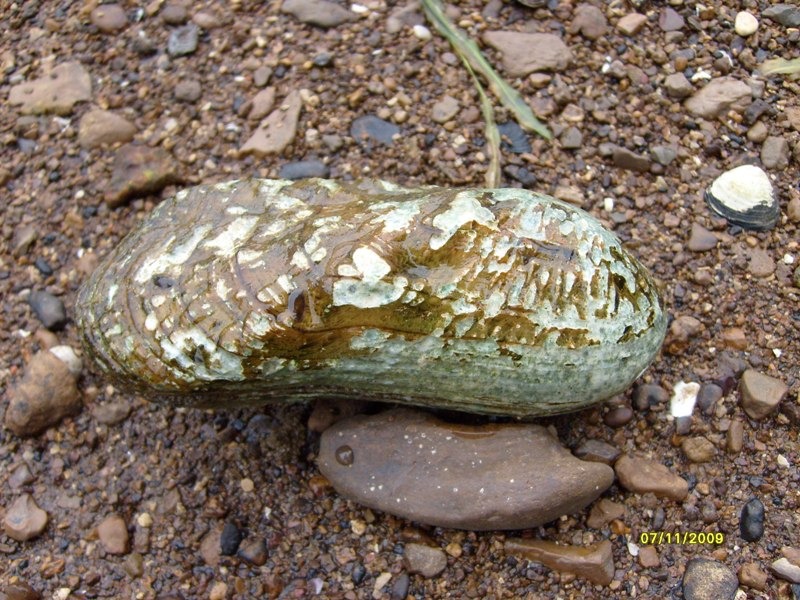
{"x":147,"y":501}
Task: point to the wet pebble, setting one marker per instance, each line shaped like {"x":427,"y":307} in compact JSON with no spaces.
{"x":49,"y":309}
{"x":597,"y":451}
{"x":113,"y":534}
{"x":753,"y":576}
{"x":718,"y":96}
{"x":760,"y":394}
{"x":425,"y":560}
{"x":775,"y":153}
{"x":109,"y":18}
{"x":104,"y":128}
{"x":707,"y":397}
{"x":525,"y":477}
{"x":46,"y":394}
{"x":513,"y":138}
{"x":524,"y":53}
{"x":594,"y":562}
{"x":370,"y":130}
{"x":648,"y":557}
{"x":400,"y":587}
{"x":304,"y":168}
{"x":641,"y":475}
{"x":19,"y":590}
{"x":174,"y":14}
{"x":321,"y":13}
{"x":751,"y":520}
{"x":254,"y":552}
{"x":603,"y":512}
{"x":648,"y":395}
{"x":706,"y":579}
{"x":626,"y":159}
{"x":230,"y":538}
{"x":698,"y":449}
{"x":683,"y":425}
{"x":618,"y":416}
{"x":24,"y":520}
{"x":138,"y":171}
{"x":277,"y":131}
{"x":183,"y":40}
{"x":734,"y":437}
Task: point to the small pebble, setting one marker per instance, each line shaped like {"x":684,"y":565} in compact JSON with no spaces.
{"x":174,"y":14}
{"x":24,"y":520}
{"x":706,"y":579}
{"x":444,"y":109}
{"x":603,"y":512}
{"x":641,"y":475}
{"x":595,"y":562}
{"x":49,"y":309}
{"x":188,"y":90}
{"x":302,"y":169}
{"x":369,"y":130}
{"x":109,"y":18}
{"x":786,"y":570}
{"x":734,"y":437}
{"x":751,"y":520}
{"x":597,"y":451}
{"x":230,"y":539}
{"x":113,"y":534}
{"x":618,"y":416}
{"x":183,"y":40}
{"x":701,"y":239}
{"x":254,"y":552}
{"x":648,"y":557}
{"x":648,"y":395}
{"x":745,"y":24}
{"x":425,"y":560}
{"x":760,"y":394}
{"x":400,"y":587}
{"x":698,"y":449}
{"x":753,"y":576}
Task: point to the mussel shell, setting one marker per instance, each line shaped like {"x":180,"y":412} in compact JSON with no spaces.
{"x":498,"y":301}
{"x":744,"y":196}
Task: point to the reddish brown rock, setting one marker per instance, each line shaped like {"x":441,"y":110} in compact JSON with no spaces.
{"x":595,"y":562}
{"x":56,"y":92}
{"x":425,"y":560}
{"x":104,"y":128}
{"x":139,"y":171}
{"x":411,"y":464}
{"x":524,"y":53}
{"x":641,"y":476}
{"x":753,"y":576}
{"x":46,"y":394}
{"x":277,"y":131}
{"x":760,"y":394}
{"x":698,"y":449}
{"x":603,"y":512}
{"x":24,"y":520}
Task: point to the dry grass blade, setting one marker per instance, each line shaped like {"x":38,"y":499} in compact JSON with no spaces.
{"x":470,"y":53}
{"x":781,"y":66}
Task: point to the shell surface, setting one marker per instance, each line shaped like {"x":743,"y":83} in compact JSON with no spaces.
{"x":497,"y":301}
{"x":744,"y":196}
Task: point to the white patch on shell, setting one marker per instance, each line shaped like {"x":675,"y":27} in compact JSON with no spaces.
{"x":464,"y":209}
{"x":361,"y":284}
{"x":151,"y":322}
{"x":370,"y":264}
{"x":219,"y":363}
{"x":229,"y":238}
{"x":493,"y":304}
{"x":399,"y":215}
{"x":165,"y":262}
{"x":300,"y":261}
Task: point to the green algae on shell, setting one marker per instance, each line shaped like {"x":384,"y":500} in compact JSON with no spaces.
{"x":495,"y":301}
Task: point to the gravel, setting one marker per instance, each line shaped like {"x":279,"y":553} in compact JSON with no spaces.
{"x":185,"y":468}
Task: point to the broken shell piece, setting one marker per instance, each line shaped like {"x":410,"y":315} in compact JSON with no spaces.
{"x":744,"y":196}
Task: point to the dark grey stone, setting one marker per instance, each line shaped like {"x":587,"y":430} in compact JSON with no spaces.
{"x":49,"y":309}
{"x":751,"y":521}
{"x":304,"y":168}
{"x":183,"y":40}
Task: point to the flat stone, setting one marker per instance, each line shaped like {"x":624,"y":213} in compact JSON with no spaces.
{"x":589,"y":21}
{"x":598,"y":451}
{"x":760,"y":263}
{"x":603,"y":512}
{"x":444,"y":109}
{"x":571,"y":138}
{"x":734,"y":437}
{"x":139,"y":171}
{"x":677,"y":86}
{"x":786,"y":570}
{"x":524,"y":53}
{"x":698,"y":449}
{"x":113,"y":534}
{"x":277,"y":131}
{"x":760,"y":394}
{"x":317,"y":12}
{"x":111,"y":413}
{"x":701,"y":239}
{"x":595,"y":562}
{"x":104,"y":128}
{"x":410,"y":464}
{"x":627,"y":159}
{"x":109,"y":18}
{"x":302,"y":169}
{"x":49,"y":309}
{"x":787,"y":15}
{"x":46,"y":394}
{"x":753,"y":576}
{"x":641,"y":475}
{"x":706,"y":579}
{"x":718,"y":96}
{"x":670,"y":20}
{"x":262,"y":104}
{"x":423,"y":559}
{"x":24,"y":520}
{"x":631,"y":23}
{"x":370,"y":130}
{"x":648,"y":557}
{"x":57,"y":92}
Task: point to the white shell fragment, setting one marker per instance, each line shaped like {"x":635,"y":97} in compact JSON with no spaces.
{"x":684,"y":396}
{"x":744,"y":196}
